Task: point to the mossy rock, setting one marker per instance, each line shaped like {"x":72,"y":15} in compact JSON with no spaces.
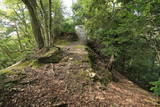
{"x":54,"y":57}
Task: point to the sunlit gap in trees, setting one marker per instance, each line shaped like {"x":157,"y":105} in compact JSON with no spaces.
{"x":68,"y":7}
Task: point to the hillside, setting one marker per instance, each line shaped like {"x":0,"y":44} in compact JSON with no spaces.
{"x":70,"y":82}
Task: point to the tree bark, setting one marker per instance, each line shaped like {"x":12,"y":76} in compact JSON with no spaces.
{"x":50,"y":22}
{"x":31,"y":5}
{"x":45,"y":21}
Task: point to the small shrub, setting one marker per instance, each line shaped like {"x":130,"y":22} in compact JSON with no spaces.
{"x":156,"y":87}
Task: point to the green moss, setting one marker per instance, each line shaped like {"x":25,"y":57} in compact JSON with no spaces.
{"x":54,"y":57}
{"x":6,"y":72}
{"x":80,"y":46}
{"x":50,"y":52}
{"x":62,"y":42}
{"x":77,"y":62}
{"x":82,"y":75}
{"x":35,"y":64}
{"x":22,"y":65}
{"x":85,"y":58}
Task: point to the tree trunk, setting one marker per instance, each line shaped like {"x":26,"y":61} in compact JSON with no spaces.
{"x":19,"y":40}
{"x":45,"y":22}
{"x":31,"y":5}
{"x":50,"y":22}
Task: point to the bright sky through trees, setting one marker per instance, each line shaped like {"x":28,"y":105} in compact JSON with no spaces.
{"x":67,"y":4}
{"x":68,"y":7}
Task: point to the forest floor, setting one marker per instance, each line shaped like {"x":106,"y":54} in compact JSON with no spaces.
{"x":68,"y":84}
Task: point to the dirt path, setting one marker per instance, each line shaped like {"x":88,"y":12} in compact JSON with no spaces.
{"x":67,"y":84}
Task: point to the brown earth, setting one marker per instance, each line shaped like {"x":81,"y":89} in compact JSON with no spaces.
{"x":68,"y":84}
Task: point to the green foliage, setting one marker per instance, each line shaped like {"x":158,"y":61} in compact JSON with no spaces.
{"x":80,"y":10}
{"x":156,"y":87}
{"x":58,"y":16}
{"x":68,"y":25}
{"x":125,"y":29}
{"x":16,"y":37}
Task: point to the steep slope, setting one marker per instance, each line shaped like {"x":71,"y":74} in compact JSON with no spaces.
{"x":70,"y":83}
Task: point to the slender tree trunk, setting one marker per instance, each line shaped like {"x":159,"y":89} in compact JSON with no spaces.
{"x":19,"y":40}
{"x":45,"y":21}
{"x":31,"y":5}
{"x":50,"y":22}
